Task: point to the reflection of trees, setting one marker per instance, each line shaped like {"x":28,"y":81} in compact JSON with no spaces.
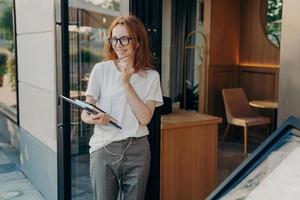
{"x":11,"y":70}
{"x":273,"y":19}
{"x":7,"y":45}
{"x":108,"y":4}
{"x":6,"y":19}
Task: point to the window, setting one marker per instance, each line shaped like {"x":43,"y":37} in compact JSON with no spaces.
{"x":8,"y":99}
{"x":89,"y":21}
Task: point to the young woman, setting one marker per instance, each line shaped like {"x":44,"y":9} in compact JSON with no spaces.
{"x":127,"y":88}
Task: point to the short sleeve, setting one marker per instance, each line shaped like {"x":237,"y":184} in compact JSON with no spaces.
{"x":93,"y":88}
{"x":155,"y":93}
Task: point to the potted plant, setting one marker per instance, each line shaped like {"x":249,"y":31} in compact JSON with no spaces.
{"x":3,"y":60}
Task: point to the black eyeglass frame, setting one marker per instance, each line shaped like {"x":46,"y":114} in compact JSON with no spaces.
{"x":120,"y":41}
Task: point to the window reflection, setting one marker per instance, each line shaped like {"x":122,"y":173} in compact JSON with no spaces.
{"x":87,"y":33}
{"x":88,"y":30}
{"x":8,"y":98}
{"x":273,"y":21}
{"x":107,"y":4}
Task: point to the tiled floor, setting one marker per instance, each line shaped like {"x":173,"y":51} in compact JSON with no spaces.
{"x":81,"y":181}
{"x":13,"y":183}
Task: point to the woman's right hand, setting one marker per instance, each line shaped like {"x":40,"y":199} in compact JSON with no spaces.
{"x":91,"y":118}
{"x":101,"y":118}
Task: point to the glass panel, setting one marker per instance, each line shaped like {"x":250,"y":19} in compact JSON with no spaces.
{"x":8,"y":98}
{"x":270,"y":179}
{"x":89,"y":21}
{"x":271,"y":11}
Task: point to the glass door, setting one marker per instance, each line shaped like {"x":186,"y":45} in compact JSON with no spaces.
{"x":82,"y":28}
{"x":88,"y":23}
{"x":8,"y":71}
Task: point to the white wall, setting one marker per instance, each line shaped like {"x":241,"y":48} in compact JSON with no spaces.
{"x":289,"y":82}
{"x":36,"y":69}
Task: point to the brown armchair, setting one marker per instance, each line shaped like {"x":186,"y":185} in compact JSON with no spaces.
{"x":239,"y":113}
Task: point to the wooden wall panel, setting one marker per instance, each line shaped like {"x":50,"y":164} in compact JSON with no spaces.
{"x":220,"y":76}
{"x":224,"y":32}
{"x":224,"y":42}
{"x":259,"y":83}
{"x":236,"y":37}
{"x":254,"y":45}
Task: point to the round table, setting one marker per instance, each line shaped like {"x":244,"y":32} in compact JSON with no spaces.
{"x":267,"y":104}
{"x":264,"y":104}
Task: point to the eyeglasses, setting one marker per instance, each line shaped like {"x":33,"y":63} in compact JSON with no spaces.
{"x":124,"y":41}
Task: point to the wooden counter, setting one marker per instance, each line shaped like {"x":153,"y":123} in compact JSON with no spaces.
{"x":188,"y":155}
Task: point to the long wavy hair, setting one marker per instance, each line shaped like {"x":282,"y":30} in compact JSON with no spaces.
{"x":143,"y":59}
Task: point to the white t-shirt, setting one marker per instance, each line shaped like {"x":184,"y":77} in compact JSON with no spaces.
{"x":105,"y":86}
